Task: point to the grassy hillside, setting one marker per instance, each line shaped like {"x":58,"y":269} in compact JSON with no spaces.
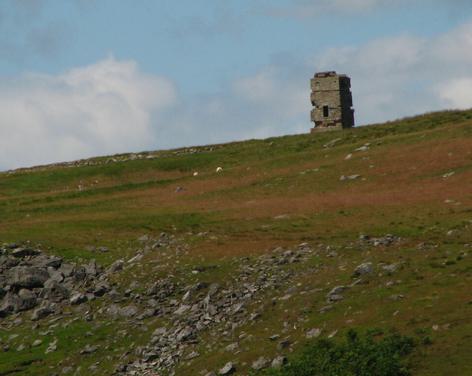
{"x":410,"y":178}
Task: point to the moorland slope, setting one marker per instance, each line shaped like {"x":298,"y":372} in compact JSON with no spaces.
{"x":155,"y":261}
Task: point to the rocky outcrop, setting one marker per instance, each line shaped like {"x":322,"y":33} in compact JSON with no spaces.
{"x":205,"y":306}
{"x":187,"y":311}
{"x":31,"y":279}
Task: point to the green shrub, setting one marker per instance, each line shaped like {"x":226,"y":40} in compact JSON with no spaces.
{"x":356,"y":356}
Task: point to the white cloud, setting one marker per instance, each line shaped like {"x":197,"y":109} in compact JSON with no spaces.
{"x":454,"y":47}
{"x":384,"y":56}
{"x":456,"y":93}
{"x":392,"y":77}
{"x":269,"y":102}
{"x":273,"y":91}
{"x":405,"y":75}
{"x":112,"y":107}
{"x":259,"y":87}
{"x":106,"y":107}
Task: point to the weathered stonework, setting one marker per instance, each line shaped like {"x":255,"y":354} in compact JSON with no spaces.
{"x":331,"y":98}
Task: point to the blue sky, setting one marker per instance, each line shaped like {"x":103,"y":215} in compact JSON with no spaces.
{"x":85,"y":77}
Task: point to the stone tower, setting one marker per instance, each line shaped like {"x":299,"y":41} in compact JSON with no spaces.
{"x":331,"y":98}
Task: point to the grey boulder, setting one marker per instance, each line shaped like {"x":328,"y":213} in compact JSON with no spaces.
{"x":364,"y":269}
{"x":260,"y":363}
{"x":12,"y":302}
{"x":227,"y":369}
{"x":27,"y":277}
{"x":54,"y":291}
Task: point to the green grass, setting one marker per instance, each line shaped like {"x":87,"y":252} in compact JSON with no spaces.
{"x":269,"y":195}
{"x":71,"y":339}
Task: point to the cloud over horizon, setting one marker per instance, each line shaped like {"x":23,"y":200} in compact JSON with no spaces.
{"x":405,"y":75}
{"x":112,"y":106}
{"x":106,"y":107}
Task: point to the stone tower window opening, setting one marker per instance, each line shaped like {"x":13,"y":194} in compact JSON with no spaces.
{"x":326,"y":111}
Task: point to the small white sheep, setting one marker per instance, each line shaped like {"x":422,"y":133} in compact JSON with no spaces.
{"x":219,"y":169}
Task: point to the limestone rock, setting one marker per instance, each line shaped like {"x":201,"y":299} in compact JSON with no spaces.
{"x":77,"y":298}
{"x":335,"y":294}
{"x":227,"y":369}
{"x":313,"y":333}
{"x":260,"y":363}
{"x":41,"y":312}
{"x":52,"y":347}
{"x":89,"y":349}
{"x":26,"y":300}
{"x":278,"y":361}
{"x":27,"y":277}
{"x":24,"y":252}
{"x":364,"y":269}
{"x":54,"y":291}
{"x":116,"y":266}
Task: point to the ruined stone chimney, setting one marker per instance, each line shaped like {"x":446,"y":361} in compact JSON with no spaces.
{"x":331,"y":98}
